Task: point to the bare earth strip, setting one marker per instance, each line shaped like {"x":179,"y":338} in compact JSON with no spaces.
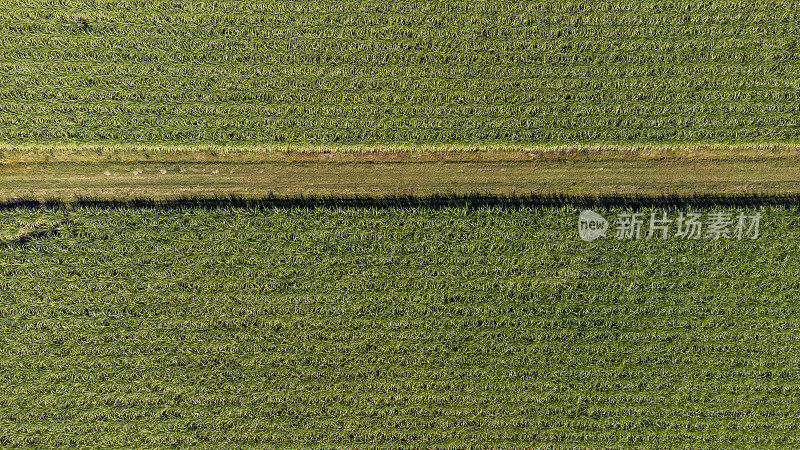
{"x":66,"y":173}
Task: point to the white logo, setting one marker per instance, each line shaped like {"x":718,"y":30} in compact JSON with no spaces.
{"x":630,"y":225}
{"x":591,"y":225}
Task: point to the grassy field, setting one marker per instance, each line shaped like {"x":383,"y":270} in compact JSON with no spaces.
{"x":323,"y":72}
{"x":401,"y":327}
{"x":355,"y":223}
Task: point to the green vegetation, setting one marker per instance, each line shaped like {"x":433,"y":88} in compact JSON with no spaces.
{"x":398,"y":72}
{"x":399,"y":327}
{"x":346,"y":223}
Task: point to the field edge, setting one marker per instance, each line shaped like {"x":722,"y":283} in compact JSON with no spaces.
{"x":434,"y":201}
{"x":101,"y":152}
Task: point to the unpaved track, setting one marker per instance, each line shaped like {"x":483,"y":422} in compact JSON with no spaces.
{"x":65,"y":180}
